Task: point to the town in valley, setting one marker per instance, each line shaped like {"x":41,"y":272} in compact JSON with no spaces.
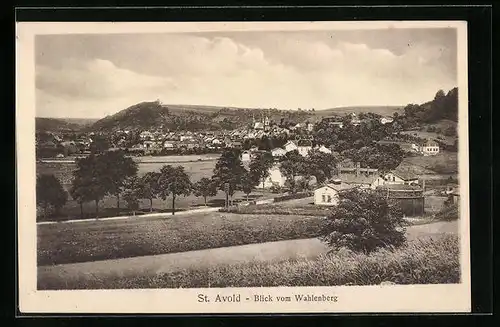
{"x":143,"y":180}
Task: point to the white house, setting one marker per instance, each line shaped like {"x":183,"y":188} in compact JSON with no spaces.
{"x":429,"y":149}
{"x":399,"y":177}
{"x":386,"y":120}
{"x":278,"y":152}
{"x":337,"y":123}
{"x":356,"y":122}
{"x":216,"y":142}
{"x":258,"y":125}
{"x":146,"y":135}
{"x":275,"y":178}
{"x":290,"y":146}
{"x":245,"y":156}
{"x":324,"y":149}
{"x":328,"y":194}
{"x":310,"y":127}
{"x":186,"y":138}
{"x":304,"y":147}
{"x":169,"y":145}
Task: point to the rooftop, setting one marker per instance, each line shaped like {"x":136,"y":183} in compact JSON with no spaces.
{"x":400,"y":187}
{"x":353,"y":179}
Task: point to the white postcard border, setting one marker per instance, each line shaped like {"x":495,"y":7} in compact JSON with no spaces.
{"x":352,"y":299}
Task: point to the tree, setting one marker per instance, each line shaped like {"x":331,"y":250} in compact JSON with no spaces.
{"x":99,"y":144}
{"x":80,"y":192}
{"x":116,"y":169}
{"x":228,"y":171}
{"x":321,"y":165}
{"x":292,"y":165}
{"x":363,"y":221}
{"x":248,"y":182}
{"x":173,"y":181}
{"x":49,"y":192}
{"x":89,"y":175}
{"x":148,"y":187}
{"x":132,"y":193}
{"x":260,"y":165}
{"x":205,"y":187}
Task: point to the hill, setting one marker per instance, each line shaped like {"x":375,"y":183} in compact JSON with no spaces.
{"x":147,"y":115}
{"x":43,"y":124}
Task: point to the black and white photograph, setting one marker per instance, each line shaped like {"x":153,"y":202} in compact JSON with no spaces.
{"x":233,"y":162}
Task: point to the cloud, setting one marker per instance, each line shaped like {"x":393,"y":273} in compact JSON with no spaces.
{"x":283,"y":72}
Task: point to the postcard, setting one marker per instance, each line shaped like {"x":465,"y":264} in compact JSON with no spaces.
{"x":242,"y":167}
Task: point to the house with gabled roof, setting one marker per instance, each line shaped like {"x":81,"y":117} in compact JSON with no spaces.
{"x":328,"y":194}
{"x":399,"y":176}
{"x":290,"y":146}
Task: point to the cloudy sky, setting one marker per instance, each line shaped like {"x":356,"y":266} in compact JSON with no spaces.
{"x":91,"y":76}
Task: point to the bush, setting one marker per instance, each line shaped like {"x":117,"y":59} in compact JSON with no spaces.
{"x":450,"y":131}
{"x":448,"y":213}
{"x":364,"y":221}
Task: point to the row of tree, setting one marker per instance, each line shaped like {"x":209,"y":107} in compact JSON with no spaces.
{"x":115,"y":174}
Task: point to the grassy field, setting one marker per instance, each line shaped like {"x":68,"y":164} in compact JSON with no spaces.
{"x":427,"y":261}
{"x":89,"y":241}
{"x":442,"y":163}
{"x":301,"y":207}
{"x":107,"y":207}
{"x":432,"y":136}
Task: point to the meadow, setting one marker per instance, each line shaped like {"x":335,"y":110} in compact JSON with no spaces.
{"x":444,"y":163}
{"x":90,"y":241}
{"x":300,"y":207}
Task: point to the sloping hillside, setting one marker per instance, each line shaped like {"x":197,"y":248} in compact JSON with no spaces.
{"x":43,"y":124}
{"x":147,"y":115}
{"x":379,"y":110}
{"x":54,"y":125}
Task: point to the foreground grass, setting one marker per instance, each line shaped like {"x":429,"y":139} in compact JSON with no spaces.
{"x":430,"y":261}
{"x":69,"y":243}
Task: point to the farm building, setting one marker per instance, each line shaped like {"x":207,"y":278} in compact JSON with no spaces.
{"x":409,"y":198}
{"x":400,"y":177}
{"x":328,"y":195}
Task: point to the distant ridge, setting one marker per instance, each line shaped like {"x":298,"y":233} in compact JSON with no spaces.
{"x":380,"y":110}
{"x":147,"y":115}
{"x":62,"y":124}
